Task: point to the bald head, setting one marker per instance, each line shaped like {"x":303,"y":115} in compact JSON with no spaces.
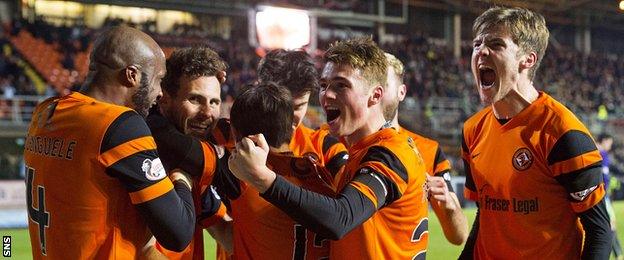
{"x":123,"y":46}
{"x":126,"y":67}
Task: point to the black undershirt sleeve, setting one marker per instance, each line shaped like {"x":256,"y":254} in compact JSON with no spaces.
{"x":331,"y":217}
{"x":224,"y":181}
{"x":171,"y":216}
{"x":598,"y":234}
{"x":210,"y":203}
{"x":176,"y":149}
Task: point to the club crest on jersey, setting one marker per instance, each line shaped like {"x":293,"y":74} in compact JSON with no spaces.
{"x":412,"y":145}
{"x":153,"y":169}
{"x":522,"y":159}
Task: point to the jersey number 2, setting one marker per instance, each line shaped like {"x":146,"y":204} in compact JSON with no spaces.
{"x":38,"y":215}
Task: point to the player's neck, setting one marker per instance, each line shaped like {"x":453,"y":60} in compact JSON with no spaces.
{"x":395,"y":121}
{"x":103,"y":93}
{"x":515,"y":101}
{"x":374,"y":122}
{"x":282,"y":149}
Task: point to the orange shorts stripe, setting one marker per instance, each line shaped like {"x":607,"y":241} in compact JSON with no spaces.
{"x":126,"y":149}
{"x":151,"y":192}
{"x":576,"y":163}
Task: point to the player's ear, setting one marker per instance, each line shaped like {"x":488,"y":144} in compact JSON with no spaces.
{"x":131,"y":76}
{"x":165,"y":99}
{"x":402,"y":92}
{"x":529,"y":60}
{"x":377,"y":93}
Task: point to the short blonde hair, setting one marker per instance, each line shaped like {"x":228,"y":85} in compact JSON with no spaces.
{"x":360,"y":53}
{"x":396,"y":65}
{"x":527,"y":28}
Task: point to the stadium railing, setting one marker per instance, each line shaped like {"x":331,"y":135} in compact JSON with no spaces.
{"x":18,"y":109}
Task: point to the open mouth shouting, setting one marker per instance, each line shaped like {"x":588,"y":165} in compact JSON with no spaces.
{"x":333,"y":114}
{"x":487,"y":77}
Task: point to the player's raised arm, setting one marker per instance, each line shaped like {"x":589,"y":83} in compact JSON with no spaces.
{"x":161,"y":201}
{"x":446,"y":206}
{"x":368,"y":192}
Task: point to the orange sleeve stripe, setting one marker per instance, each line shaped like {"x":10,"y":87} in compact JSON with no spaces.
{"x":442,"y":166}
{"x":593,"y":199}
{"x":367,"y":191}
{"x":333,"y":151}
{"x":151,"y":192}
{"x":576,"y":163}
{"x":126,"y":149}
{"x":471,"y":195}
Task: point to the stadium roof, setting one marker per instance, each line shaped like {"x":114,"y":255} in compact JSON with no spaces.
{"x":599,"y":12}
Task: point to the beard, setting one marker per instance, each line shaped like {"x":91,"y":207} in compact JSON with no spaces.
{"x":390,"y":110}
{"x":140,"y":98}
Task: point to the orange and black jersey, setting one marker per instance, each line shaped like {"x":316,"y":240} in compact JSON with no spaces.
{"x":262,"y":231}
{"x":199,"y":159}
{"x":326,"y":149}
{"x":433,"y":157}
{"x":222,"y":134}
{"x":381,"y":210}
{"x":532,"y":176}
{"x":94,"y":178}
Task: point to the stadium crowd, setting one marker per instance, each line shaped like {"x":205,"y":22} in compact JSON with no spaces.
{"x":431,"y":69}
{"x":429,"y":64}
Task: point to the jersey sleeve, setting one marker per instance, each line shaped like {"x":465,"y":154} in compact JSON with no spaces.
{"x":210,"y":159}
{"x":334,"y":153}
{"x":470,"y":190}
{"x":442,"y":167}
{"x":575,"y":162}
{"x":129,"y":153}
{"x":212,"y":208}
{"x":388,"y":168}
{"x":222,"y":134}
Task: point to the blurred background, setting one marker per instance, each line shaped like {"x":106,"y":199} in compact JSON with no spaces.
{"x":45,"y":46}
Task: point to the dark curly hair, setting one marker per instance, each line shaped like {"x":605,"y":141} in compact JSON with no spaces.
{"x":193,"y":62}
{"x":292,"y":69}
{"x":264,"y":108}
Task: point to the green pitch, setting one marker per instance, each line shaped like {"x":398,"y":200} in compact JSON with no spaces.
{"x":439,"y":248}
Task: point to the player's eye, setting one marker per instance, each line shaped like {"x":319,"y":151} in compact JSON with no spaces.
{"x":194,"y":99}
